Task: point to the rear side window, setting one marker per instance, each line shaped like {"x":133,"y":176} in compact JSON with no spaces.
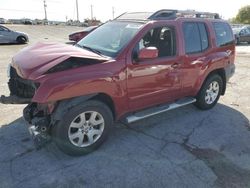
{"x":204,"y":36}
{"x":223,"y":34}
{"x":195,"y":37}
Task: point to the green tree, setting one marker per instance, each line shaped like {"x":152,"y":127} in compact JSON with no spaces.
{"x":233,"y":20}
{"x":243,"y":15}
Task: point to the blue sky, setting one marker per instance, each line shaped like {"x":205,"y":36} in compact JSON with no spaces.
{"x":59,"y":9}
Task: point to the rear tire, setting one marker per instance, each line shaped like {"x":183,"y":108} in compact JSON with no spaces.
{"x":83,"y":128}
{"x":21,"y":40}
{"x":209,"y":93}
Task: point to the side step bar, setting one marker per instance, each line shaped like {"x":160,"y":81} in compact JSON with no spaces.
{"x":158,"y":109}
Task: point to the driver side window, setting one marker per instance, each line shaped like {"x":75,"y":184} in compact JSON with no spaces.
{"x":162,"y":38}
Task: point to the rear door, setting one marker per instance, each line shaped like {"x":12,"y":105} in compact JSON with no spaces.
{"x":154,"y":81}
{"x":196,"y":50}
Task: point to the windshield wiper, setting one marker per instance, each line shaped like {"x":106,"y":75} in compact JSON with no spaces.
{"x":90,"y":49}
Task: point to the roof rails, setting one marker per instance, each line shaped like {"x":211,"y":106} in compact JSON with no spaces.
{"x":166,"y":14}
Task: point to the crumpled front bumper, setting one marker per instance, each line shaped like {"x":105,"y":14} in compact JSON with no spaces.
{"x":13,"y":99}
{"x":38,"y":125}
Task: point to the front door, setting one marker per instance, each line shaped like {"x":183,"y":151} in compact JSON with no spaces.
{"x":154,"y":81}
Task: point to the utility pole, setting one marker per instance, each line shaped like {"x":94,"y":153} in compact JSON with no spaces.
{"x":113,"y":12}
{"x":91,"y":7}
{"x":77,"y":11}
{"x":45,"y":11}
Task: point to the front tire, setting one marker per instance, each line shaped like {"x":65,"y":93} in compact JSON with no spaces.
{"x":83,"y":128}
{"x":21,"y":40}
{"x":210,"y":92}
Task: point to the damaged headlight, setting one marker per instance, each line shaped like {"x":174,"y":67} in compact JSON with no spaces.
{"x":73,"y":62}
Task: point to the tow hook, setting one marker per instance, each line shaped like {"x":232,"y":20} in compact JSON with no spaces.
{"x":39,"y":129}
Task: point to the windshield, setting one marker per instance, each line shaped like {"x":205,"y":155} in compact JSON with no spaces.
{"x":110,"y":38}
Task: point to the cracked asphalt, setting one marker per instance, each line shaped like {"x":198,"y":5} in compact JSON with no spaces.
{"x":185,"y":147}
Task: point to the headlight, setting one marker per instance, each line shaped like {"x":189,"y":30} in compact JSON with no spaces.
{"x":8,"y":71}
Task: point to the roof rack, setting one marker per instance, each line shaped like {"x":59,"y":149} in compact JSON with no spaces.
{"x":166,"y":14}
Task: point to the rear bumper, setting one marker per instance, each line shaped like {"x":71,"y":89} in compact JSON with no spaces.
{"x":230,"y":70}
{"x":72,"y":38}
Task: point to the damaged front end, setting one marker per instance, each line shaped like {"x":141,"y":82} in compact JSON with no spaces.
{"x":37,"y":115}
{"x":33,"y":77}
{"x":21,"y":90}
{"x":38,"y":118}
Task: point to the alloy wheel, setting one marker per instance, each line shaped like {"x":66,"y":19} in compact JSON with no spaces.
{"x":86,"y":129}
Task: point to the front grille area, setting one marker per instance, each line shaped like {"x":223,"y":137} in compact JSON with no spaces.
{"x":19,"y":86}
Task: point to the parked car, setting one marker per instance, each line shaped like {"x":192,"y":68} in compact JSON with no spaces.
{"x":2,"y":21}
{"x":81,"y":34}
{"x":9,"y":36}
{"x":242,"y":34}
{"x":27,"y":21}
{"x":128,"y":69}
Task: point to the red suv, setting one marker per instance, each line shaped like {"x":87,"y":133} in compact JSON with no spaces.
{"x":133,"y":67}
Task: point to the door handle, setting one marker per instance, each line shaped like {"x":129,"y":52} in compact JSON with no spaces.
{"x":175,"y":65}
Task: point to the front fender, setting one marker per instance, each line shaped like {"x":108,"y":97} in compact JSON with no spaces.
{"x":59,"y":87}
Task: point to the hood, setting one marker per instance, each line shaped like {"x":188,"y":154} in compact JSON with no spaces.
{"x":22,"y":33}
{"x":37,"y":59}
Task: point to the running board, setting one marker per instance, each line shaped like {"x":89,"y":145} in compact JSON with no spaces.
{"x":158,"y":109}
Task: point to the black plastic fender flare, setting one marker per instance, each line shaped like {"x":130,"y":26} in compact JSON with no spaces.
{"x":67,"y":104}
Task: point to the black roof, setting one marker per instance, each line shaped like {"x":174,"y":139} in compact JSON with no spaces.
{"x":166,"y":14}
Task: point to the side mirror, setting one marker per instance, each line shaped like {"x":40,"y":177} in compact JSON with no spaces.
{"x":148,"y":53}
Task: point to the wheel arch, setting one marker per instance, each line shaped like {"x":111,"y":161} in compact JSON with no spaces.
{"x":64,"y":105}
{"x":106,"y":99}
{"x":221,"y":72}
{"x":21,"y":36}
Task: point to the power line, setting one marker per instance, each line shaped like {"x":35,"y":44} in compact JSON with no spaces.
{"x":45,"y":11}
{"x":91,"y":9}
{"x":113,"y":12}
{"x":77,"y":12}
